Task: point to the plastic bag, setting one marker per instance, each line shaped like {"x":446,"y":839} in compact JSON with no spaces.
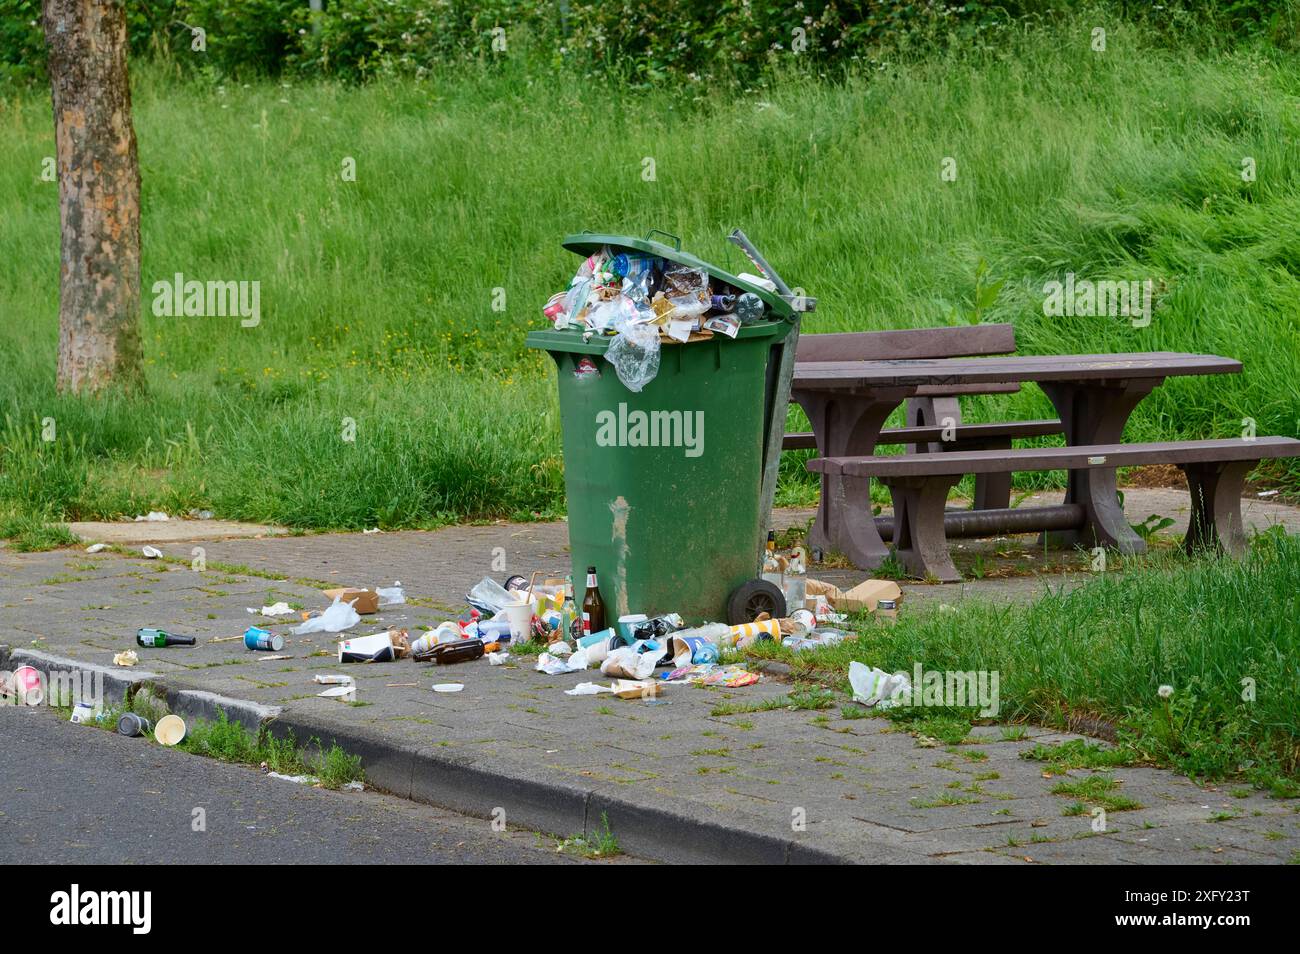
{"x":391,"y":595}
{"x":627,"y":662}
{"x":634,"y":353}
{"x":488,"y":597}
{"x":338,"y":617}
{"x":875,"y":687}
{"x":687,"y":289}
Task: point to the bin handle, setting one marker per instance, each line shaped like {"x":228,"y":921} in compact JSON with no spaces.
{"x":677,"y":242}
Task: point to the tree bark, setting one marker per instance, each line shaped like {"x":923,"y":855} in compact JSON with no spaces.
{"x":99,"y":196}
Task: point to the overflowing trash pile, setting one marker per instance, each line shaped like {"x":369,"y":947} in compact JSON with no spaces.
{"x":640,"y":655}
{"x":643,"y":301}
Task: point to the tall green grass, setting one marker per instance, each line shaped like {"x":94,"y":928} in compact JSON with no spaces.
{"x":377,"y":295}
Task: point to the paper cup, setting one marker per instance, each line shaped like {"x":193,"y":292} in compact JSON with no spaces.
{"x":627,"y":626}
{"x":27,"y":684}
{"x":169,"y":730}
{"x":687,"y":650}
{"x":520,"y":617}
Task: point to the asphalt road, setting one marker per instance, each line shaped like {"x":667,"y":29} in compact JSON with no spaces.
{"x":81,"y":795}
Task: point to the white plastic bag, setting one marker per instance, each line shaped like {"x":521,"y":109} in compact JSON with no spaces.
{"x":391,"y":595}
{"x":338,"y":617}
{"x":875,"y":687}
{"x":626,"y":663}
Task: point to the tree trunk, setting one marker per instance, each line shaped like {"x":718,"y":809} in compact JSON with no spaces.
{"x":99,"y":196}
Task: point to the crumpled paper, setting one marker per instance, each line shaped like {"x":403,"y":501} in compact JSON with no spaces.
{"x":555,"y":666}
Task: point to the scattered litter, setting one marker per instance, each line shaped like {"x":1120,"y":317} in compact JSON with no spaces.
{"x":153,"y":516}
{"x":273,"y":658}
{"x":367,"y":649}
{"x":158,"y":639}
{"x":875,"y":687}
{"x":339,"y":692}
{"x":862,"y":598}
{"x":170,"y":730}
{"x":354,"y":787}
{"x":816,"y":639}
{"x":391,"y":595}
{"x":587,"y":689}
{"x":1268,"y":493}
{"x":151,"y":553}
{"x":362,"y":600}
{"x":200,"y":514}
{"x":296,"y":779}
{"x":448,"y":686}
{"x":401,"y":685}
{"x":262,"y":640}
{"x":726,"y":677}
{"x":224,"y":639}
{"x":25,"y":684}
{"x":497,"y":659}
{"x":628,"y":662}
{"x":489,"y":597}
{"x":275,"y":609}
{"x":96,"y":547}
{"x":128,"y":658}
{"x":461,"y":650}
{"x":372,"y":530}
{"x":338,"y":617}
{"x":331,"y":679}
{"x":133,"y":725}
{"x":83,"y":712}
{"x":635,"y":688}
{"x":553,"y":665}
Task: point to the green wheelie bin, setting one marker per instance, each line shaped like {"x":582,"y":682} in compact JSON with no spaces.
{"x":665,"y":485}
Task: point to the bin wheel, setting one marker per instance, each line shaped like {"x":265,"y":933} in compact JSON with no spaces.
{"x":752,"y":598}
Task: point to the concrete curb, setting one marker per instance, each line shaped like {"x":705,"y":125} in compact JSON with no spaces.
{"x":465,"y":785}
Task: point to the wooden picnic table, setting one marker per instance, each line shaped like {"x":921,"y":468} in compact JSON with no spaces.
{"x":848,"y":402}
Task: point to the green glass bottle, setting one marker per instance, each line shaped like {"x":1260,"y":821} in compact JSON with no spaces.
{"x":157,"y":639}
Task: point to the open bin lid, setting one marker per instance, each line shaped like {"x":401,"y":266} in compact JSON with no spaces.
{"x":588,"y":243}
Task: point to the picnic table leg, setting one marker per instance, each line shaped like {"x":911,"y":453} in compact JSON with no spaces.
{"x":1216,"y":506}
{"x":919,"y":540}
{"x":1095,"y":413}
{"x":992,"y":491}
{"x":847,"y":425}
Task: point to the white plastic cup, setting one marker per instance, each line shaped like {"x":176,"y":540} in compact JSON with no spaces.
{"x":520,"y":616}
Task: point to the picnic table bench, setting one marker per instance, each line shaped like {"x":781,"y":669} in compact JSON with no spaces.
{"x":848,"y":401}
{"x":919,"y":483}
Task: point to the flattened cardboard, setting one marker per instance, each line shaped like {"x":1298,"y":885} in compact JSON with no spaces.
{"x":367,"y":601}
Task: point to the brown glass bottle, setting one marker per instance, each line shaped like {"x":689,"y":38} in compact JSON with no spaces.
{"x":593,"y":607}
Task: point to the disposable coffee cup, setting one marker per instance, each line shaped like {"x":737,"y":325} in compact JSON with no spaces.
{"x":170,"y":730}
{"x":28,"y":687}
{"x":133,"y":725}
{"x":698,"y":650}
{"x":594,"y":638}
{"x":520,"y":617}
{"x":627,"y":626}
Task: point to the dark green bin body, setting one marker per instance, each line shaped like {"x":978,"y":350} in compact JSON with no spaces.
{"x":667,"y":530}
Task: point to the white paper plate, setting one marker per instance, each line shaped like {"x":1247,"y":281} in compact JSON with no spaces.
{"x":448,"y":686}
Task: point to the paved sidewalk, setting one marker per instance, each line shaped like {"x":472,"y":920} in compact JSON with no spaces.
{"x":773,"y":785}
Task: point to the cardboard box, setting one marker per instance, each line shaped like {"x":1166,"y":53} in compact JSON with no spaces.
{"x":862,"y":598}
{"x":367,"y":601}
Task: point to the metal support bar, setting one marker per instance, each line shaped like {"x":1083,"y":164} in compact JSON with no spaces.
{"x":988,"y":523}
